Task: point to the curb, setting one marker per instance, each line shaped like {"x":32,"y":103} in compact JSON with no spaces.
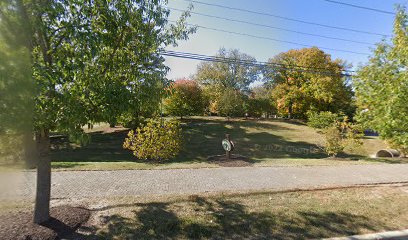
{"x":395,"y":235}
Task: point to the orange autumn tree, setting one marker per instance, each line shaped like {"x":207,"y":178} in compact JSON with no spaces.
{"x":185,"y":99}
{"x":318,"y":86}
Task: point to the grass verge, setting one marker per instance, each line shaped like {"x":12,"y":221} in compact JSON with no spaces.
{"x":264,"y":215}
{"x":266,"y":142}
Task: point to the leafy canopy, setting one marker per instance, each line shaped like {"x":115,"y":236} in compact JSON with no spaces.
{"x":185,"y":99}
{"x":237,"y":73}
{"x":231,"y":103}
{"x":96,"y":60}
{"x":382,"y":87}
{"x":321,"y":120}
{"x":318,"y":86}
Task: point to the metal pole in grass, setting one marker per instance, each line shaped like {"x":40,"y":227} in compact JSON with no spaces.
{"x":228,"y":146}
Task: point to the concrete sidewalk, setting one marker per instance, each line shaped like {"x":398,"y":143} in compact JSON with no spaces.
{"x":83,"y":184}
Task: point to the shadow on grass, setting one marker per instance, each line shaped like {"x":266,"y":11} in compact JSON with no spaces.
{"x":65,"y":165}
{"x":221,"y":219}
{"x":104,"y":147}
{"x":254,"y":139}
{"x":202,"y":138}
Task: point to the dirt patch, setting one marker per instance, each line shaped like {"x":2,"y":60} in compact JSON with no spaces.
{"x":64,"y":221}
{"x":235,"y":161}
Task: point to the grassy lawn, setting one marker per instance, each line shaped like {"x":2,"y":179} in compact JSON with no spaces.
{"x":267,"y":143}
{"x":265,"y":215}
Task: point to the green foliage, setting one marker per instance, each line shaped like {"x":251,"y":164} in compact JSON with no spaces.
{"x":260,"y":102}
{"x":10,"y":153}
{"x":91,"y":61}
{"x":157,"y":140}
{"x":297,"y":92}
{"x":231,"y":103}
{"x":382,"y":87}
{"x":333,"y":141}
{"x":256,"y":107}
{"x":341,"y":135}
{"x":217,"y":77}
{"x":128,"y":120}
{"x":95,"y":61}
{"x":321,"y":120}
{"x":17,"y":90}
{"x":234,"y":74}
{"x":185,"y":99}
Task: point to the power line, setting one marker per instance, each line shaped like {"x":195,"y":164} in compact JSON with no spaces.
{"x":273,"y":39}
{"x":361,"y":7}
{"x":228,"y":60}
{"x":223,"y":58}
{"x":201,"y":57}
{"x":273,"y":27}
{"x":288,"y":19}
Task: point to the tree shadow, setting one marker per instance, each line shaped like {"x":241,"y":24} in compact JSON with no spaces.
{"x":103,"y":147}
{"x":153,"y":221}
{"x":221,"y":219}
{"x":202,"y":139}
{"x":67,"y":165}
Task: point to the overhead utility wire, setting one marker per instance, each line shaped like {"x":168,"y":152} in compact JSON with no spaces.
{"x":244,"y":62}
{"x":273,"y":39}
{"x":272,"y":27}
{"x":265,"y":63}
{"x":288,"y":19}
{"x":226,"y":60}
{"x":361,"y":7}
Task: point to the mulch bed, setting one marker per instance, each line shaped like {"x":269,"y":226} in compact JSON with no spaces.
{"x":234,"y":161}
{"x":64,"y":221}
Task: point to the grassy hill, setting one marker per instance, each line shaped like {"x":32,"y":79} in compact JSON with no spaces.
{"x":266,"y":142}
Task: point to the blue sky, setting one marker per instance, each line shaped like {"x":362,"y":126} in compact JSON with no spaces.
{"x":319,"y":11}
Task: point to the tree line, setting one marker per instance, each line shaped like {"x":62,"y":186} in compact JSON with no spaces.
{"x":66,"y":65}
{"x":227,"y":88}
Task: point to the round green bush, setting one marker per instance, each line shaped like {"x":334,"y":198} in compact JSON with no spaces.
{"x":156,"y":140}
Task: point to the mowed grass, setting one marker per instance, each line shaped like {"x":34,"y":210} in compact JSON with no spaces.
{"x":266,"y":142}
{"x":265,"y":215}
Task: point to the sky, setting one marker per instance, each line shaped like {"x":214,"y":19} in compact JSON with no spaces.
{"x":208,"y":42}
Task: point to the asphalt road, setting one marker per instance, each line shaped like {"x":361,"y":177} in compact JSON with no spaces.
{"x":84,"y":184}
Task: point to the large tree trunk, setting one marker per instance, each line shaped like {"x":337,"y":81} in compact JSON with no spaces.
{"x":42,"y":199}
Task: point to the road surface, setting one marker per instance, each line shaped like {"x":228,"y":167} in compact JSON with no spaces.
{"x":84,"y":184}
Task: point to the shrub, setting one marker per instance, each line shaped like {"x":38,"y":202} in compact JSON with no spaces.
{"x":321,"y":120}
{"x":334,"y":141}
{"x":156,"y":140}
{"x":185,"y":99}
{"x":340,"y":136}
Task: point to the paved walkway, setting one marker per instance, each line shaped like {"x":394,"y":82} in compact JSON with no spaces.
{"x":82,"y":184}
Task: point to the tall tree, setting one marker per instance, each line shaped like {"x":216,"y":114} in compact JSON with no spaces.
{"x":318,"y":85}
{"x":237,"y":71}
{"x":382,"y":87}
{"x":260,"y":102}
{"x":90,"y":61}
{"x":231,"y":103}
{"x":185,"y":99}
